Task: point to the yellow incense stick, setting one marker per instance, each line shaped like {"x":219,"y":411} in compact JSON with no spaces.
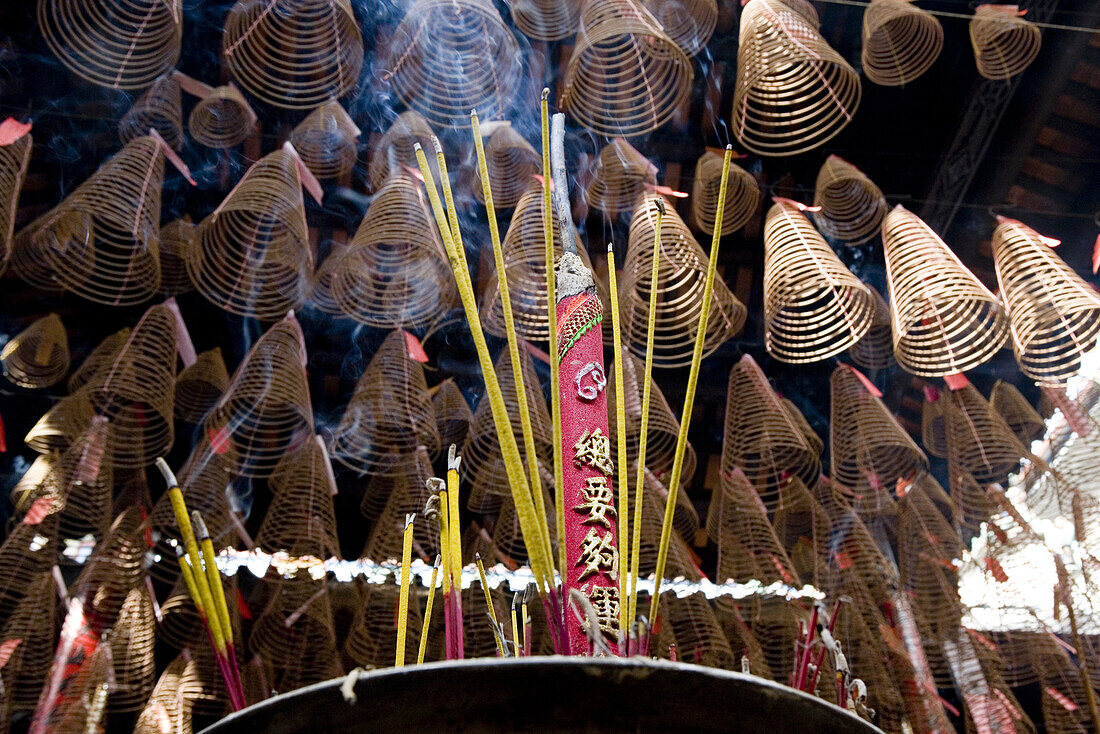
{"x":445,"y":541}
{"x":521,"y":493}
{"x":534,"y":479}
{"x":454,"y":551}
{"x":403,"y":604}
{"x":489,"y":603}
{"x":552,"y":323}
{"x":428,"y":611}
{"x":651,"y":325}
{"x":213,"y":577}
{"x":189,"y":580}
{"x":689,"y":396}
{"x":516,"y":642}
{"x":620,"y":434}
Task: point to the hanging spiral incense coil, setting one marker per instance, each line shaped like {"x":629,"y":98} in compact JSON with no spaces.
{"x":372,"y":639}
{"x":448,"y":57}
{"x":761,"y":438}
{"x":802,"y":528}
{"x":199,"y":386}
{"x":30,"y":550}
{"x":546,"y":20}
{"x":36,"y":482}
{"x":933,"y":428}
{"x":927,"y":544}
{"x":680,"y":562}
{"x":301,"y":515}
{"x":131,"y":642}
{"x":803,"y":425}
{"x":221,"y":119}
{"x":253,"y":256}
{"x":452,"y":413}
{"x":133,"y":394}
{"x":626,"y":76}
{"x":13,"y":168}
{"x":169,"y":705}
{"x":971,"y":499}
{"x":59,"y":427}
{"x":160,"y":109}
{"x":742,"y":195}
{"x":398,"y":495}
{"x":681,"y":274}
{"x":394,"y":273}
{"x":814,"y":308}
{"x":34,"y":624}
{"x":852,"y":207}
{"x":101,"y":241}
{"x":747,"y":545}
{"x":699,"y":636}
{"x":295,"y":629}
{"x":944,"y":319}
{"x":266,"y":410}
{"x":294,"y":53}
{"x":690,"y":23}
{"x":1007,"y":402}
{"x":852,"y":550}
{"x":177,"y":239}
{"x":1064,"y":699}
{"x":389,"y":414}
{"x":742,"y":641}
{"x":123,"y":44}
{"x":84,"y":485}
{"x":1055,"y":314}
{"x":524,"y":250}
{"x":393,"y":152}
{"x":875,"y":349}
{"x":794,"y":92}
{"x":103,"y":354}
{"x":512,"y":163}
{"x":1004,"y":43}
{"x":900,"y":42}
{"x":507,"y":538}
{"x":978,"y":440}
{"x":38,"y":356}
{"x":326,"y":140}
{"x":622,"y":176}
{"x":116,"y":565}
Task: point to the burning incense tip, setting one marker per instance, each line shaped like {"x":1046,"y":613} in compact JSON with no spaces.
{"x":166,"y":472}
{"x":545,"y":93}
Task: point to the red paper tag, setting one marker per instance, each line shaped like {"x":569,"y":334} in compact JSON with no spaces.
{"x":193,"y":86}
{"x":184,"y":344}
{"x":1067,"y":704}
{"x":242,"y":607}
{"x":11,"y":130}
{"x":996,"y":569}
{"x":38,"y":511}
{"x":415,"y":348}
{"x":309,"y":181}
{"x":796,"y":204}
{"x":998,"y":531}
{"x":901,"y":488}
{"x":931,"y":394}
{"x":982,"y":639}
{"x":542,"y":181}
{"x":172,"y":156}
{"x":3,"y":439}
{"x":666,"y":191}
{"x":329,"y":476}
{"x":219,"y":439}
{"x":870,"y":386}
{"x":6,"y":650}
{"x":843,"y":560}
{"x":1096,"y":256}
{"x":536,"y":352}
{"x":956,"y":381}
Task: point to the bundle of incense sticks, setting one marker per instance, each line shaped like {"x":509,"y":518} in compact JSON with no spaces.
{"x":200,"y":574}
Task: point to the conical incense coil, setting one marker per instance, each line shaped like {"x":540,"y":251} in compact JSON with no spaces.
{"x":400,"y":494}
{"x":814,"y":308}
{"x":301,"y":515}
{"x":978,"y":440}
{"x":134,"y":392}
{"x":742,"y":195}
{"x":101,"y":241}
{"x":900,"y":42}
{"x":34,"y":625}
{"x":794,"y":92}
{"x":36,"y":482}
{"x":664,"y":426}
{"x":29,"y":551}
{"x":1055,"y":314}
{"x":199,"y":386}
{"x":1004,"y":43}
{"x":690,"y":23}
{"x":680,"y":279}
{"x":680,"y":561}
{"x":393,"y":153}
{"x":802,"y":528}
{"x":84,"y":485}
{"x":852,"y":550}
{"x":38,"y":356}
{"x":932,"y":425}
{"x":326,"y":140}
{"x":221,"y":119}
{"x":390,"y":413}
{"x":875,"y":349}
{"x":1007,"y":402}
{"x":512,"y":163}
{"x":852,"y":207}
{"x":481,"y":457}
{"x":177,"y":239}
{"x":123,"y":44}
{"x":295,"y":629}
{"x":626,"y":76}
{"x":743,"y":643}
{"x":524,"y":250}
{"x":971,"y":499}
{"x":622,"y":176}
{"x":546,"y":20}
{"x":452,"y":413}
{"x":160,"y":109}
{"x":293,"y":54}
{"x":131,"y":642}
{"x":13,"y":168}
{"x":169,"y":705}
{"x":747,"y":545}
{"x":1064,"y":699}
{"x":394,"y":272}
{"x":869,"y":451}
{"x":507,"y":537}
{"x":116,"y":566}
{"x":448,"y":57}
{"x":803,"y":425}
{"x":944,"y":319}
{"x":103,"y":354}
{"x":253,"y":256}
{"x":81,"y":706}
{"x":59,"y":427}
{"x":927,"y":545}
{"x":699,"y":636}
{"x":266,"y":410}
{"x":372,"y":639}
{"x":761,"y":438}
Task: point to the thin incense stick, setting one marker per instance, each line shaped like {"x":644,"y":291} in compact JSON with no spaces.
{"x":445,"y":563}
{"x":214,"y":579}
{"x":527,"y":594}
{"x":428,"y":612}
{"x":689,"y":396}
{"x":643,"y":438}
{"x":403,"y":603}
{"x":552,"y":320}
{"x":620,"y":455}
{"x":516,"y":642}
{"x":521,"y":493}
{"x":534,"y":480}
{"x":489,"y":605}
